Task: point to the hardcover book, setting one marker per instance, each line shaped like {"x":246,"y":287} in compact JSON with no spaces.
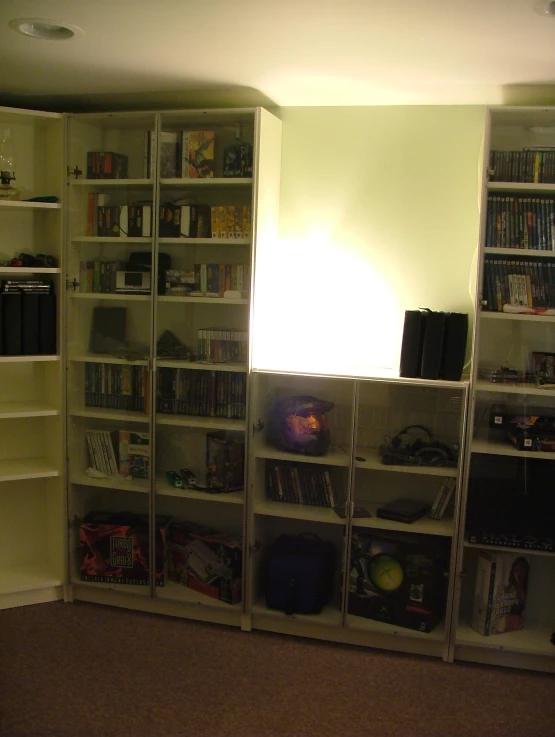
{"x":198,"y":154}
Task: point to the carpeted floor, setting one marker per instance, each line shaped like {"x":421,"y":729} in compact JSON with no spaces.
{"x":70,"y":670}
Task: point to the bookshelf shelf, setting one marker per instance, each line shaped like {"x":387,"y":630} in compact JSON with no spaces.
{"x":29,"y":359}
{"x":112,"y":297}
{"x":26,"y":468}
{"x":532,"y":187}
{"x":26,"y":579}
{"x":20,"y":270}
{"x":23,"y":205}
{"x":204,"y":300}
{"x":374,"y":626}
{"x":115,"y":415}
{"x":163,"y":488}
{"x":334,"y":456}
{"x":298,"y":511}
{"x":207,"y":183}
{"x":112,"y":482}
{"x":372,"y":461}
{"x":501,"y":549}
{"x":230,"y":242}
{"x":520,"y":252}
{"x":106,"y":358}
{"x":330,"y":616}
{"x":240,"y":368}
{"x":516,"y":317}
{"x":482,"y":385}
{"x":108,"y":239}
{"x":534,"y":639}
{"x":101,"y":183}
{"x":206,"y":423}
{"x":12,"y":410}
{"x":424,"y":526}
{"x":504,"y":448}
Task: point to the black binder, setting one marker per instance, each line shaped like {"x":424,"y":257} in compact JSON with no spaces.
{"x":30,"y":324}
{"x":47,"y":324}
{"x":432,"y":348}
{"x":11,"y":323}
{"x":454,"y":346}
{"x":413,"y":338}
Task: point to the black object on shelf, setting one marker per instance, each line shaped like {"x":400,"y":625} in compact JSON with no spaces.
{"x":403,"y":510}
{"x":411,"y":348}
{"x":454,"y":346}
{"x":433,"y":344}
{"x":11,"y":323}
{"x":108,"y":329}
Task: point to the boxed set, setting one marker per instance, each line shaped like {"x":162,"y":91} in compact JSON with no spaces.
{"x":500,"y":592}
{"x":225,"y":460}
{"x":207,"y":561}
{"x":115,"y":548}
{"x":398,"y":578}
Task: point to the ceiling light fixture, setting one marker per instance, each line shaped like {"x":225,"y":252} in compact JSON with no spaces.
{"x":49,"y":30}
{"x":545,"y":7}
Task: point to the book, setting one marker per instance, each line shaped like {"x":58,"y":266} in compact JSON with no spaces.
{"x":197,"y":154}
{"x":403,"y":510}
{"x":500,"y":592}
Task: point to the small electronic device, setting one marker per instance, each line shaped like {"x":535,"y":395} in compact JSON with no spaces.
{"x":174,"y":479}
{"x":188,"y":477}
{"x":133,"y":282}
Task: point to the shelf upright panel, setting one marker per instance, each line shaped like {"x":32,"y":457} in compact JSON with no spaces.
{"x":31,"y":418}
{"x":507,"y":510}
{"x":110,"y":287}
{"x":207,"y":233}
{"x":409,"y":446}
{"x":295,"y":493}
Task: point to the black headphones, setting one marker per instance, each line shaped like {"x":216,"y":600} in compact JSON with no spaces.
{"x":424,"y":451}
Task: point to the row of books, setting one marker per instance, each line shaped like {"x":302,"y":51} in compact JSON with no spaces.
{"x":221,"y":345}
{"x":121,"y":453}
{"x":99,"y":276}
{"x":521,"y":222}
{"x":524,"y":282}
{"x":534,"y":164}
{"x":116,"y":386}
{"x":190,"y":154}
{"x":306,"y":483}
{"x":204,"y":221}
{"x":216,"y":279}
{"x":174,"y":220}
{"x":202,"y":393}
{"x":106,"y":165}
{"x":506,"y":375}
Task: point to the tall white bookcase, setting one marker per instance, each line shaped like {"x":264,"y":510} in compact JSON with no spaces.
{"x":32,"y":493}
{"x":517,"y":216}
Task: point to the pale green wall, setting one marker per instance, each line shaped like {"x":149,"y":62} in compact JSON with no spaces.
{"x":379,"y":214}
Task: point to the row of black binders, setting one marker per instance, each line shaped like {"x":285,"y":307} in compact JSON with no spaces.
{"x":27,"y":318}
{"x":434,"y":345}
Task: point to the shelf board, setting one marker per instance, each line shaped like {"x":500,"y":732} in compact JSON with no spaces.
{"x":18,"y":270}
{"x":504,"y":448}
{"x":9,"y":410}
{"x":506,"y":549}
{"x":28,"y":359}
{"x":330,"y":615}
{"x":164,"y":488}
{"x":482,"y":385}
{"x":534,"y":252}
{"x":205,"y":241}
{"x":384,"y":628}
{"x":22,"y":205}
{"x":372,"y":461}
{"x":206,"y":423}
{"x":204,"y":300}
{"x":426,"y":526}
{"x":533,"y":639}
{"x":21,"y":578}
{"x":334,"y":456}
{"x":520,"y":187}
{"x":112,"y":482}
{"x":177,"y":592}
{"x":105,"y":358}
{"x":110,"y":182}
{"x":120,"y":588}
{"x":111,"y":296}
{"x":240,"y":368}
{"x":26,"y":468}
{"x":104,"y":413}
{"x":110,"y":239}
{"x":208,"y":182}
{"x":485,"y":315}
{"x":307,"y":512}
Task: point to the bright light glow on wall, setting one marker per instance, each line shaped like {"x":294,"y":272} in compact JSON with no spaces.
{"x":323,"y":307}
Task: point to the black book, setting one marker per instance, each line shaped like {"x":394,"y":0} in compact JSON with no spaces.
{"x":11,"y":323}
{"x":30,"y":324}
{"x":47,"y":324}
{"x":413,"y":339}
{"x":432,"y":346}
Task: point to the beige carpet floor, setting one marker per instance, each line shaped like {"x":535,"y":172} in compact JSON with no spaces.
{"x":76,"y":670}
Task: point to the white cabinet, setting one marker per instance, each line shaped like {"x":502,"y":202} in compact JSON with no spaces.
{"x":32,"y":495}
{"x":508,"y":509}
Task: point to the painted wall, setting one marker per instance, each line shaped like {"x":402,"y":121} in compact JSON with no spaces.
{"x":379,"y":214}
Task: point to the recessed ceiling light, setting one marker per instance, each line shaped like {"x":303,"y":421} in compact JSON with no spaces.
{"x":49,"y":30}
{"x":545,"y":7}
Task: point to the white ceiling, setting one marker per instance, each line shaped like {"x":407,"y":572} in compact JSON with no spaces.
{"x":285,"y":52}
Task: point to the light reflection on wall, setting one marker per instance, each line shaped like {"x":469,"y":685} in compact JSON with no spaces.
{"x":324,"y":306}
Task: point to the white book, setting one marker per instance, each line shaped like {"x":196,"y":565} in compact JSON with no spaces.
{"x":147,"y":221}
{"x":123,"y":221}
{"x":186,"y":220}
